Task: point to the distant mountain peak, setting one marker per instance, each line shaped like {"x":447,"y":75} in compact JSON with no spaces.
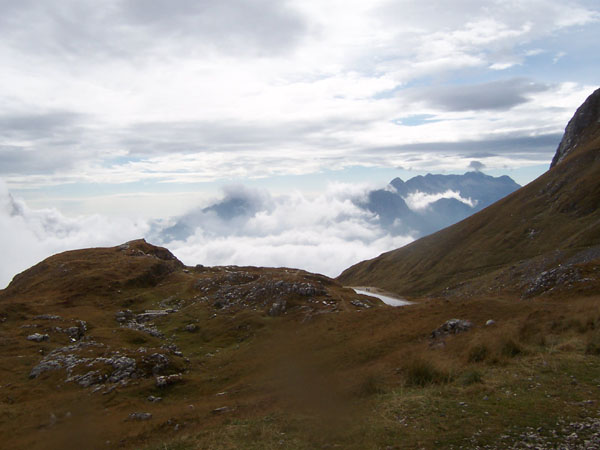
{"x":586,"y":116}
{"x":426,"y":203}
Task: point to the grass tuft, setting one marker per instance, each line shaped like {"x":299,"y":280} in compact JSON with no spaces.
{"x":511,"y":348}
{"x":471,"y":377}
{"x":478,"y":353}
{"x":420,"y":372}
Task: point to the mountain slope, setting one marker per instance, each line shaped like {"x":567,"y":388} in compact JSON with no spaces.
{"x":552,"y":224}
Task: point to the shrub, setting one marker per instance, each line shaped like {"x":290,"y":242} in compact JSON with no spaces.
{"x":371,"y":385}
{"x":510,"y":348}
{"x":478,"y":353}
{"x":471,"y":377}
{"x":419,"y":372}
{"x":593,"y":345}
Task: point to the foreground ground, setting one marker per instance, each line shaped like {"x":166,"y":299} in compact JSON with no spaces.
{"x":278,"y":358}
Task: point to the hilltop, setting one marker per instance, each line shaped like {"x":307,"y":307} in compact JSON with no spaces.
{"x":543,"y":237}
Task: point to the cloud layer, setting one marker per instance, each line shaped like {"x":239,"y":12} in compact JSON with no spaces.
{"x":325,"y":234}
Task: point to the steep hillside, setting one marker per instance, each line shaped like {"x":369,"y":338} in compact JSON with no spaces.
{"x":543,"y":237}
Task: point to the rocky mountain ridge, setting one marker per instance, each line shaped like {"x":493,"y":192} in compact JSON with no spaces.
{"x":426,"y":204}
{"x":543,"y":238}
{"x":584,"y":124}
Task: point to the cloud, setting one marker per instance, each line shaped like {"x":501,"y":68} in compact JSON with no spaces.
{"x":129,"y":91}
{"x":496,"y":95}
{"x":27,"y":236}
{"x":325,"y":234}
{"x":145,"y":28}
{"x":476,"y":165}
{"x":418,"y":201}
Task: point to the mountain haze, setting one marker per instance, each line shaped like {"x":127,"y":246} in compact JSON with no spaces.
{"x":538,"y":239}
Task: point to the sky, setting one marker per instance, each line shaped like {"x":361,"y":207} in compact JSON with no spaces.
{"x":119,"y":117}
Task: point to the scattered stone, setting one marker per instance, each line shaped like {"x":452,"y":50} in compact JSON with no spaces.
{"x":152,"y":314}
{"x":490,"y":322}
{"x":44,"y":366}
{"x":360,"y":304}
{"x":37,"y":337}
{"x":47,"y":317}
{"x":140,"y":416}
{"x":192,"y":327}
{"x":74,"y":333}
{"x":124,"y":316}
{"x":277,"y":308}
{"x":124,"y":368}
{"x":167,"y":380}
{"x":221,"y":410}
{"x":452,"y":326}
{"x":559,"y":277}
{"x":157,"y":361}
{"x":88,"y":379}
{"x":153,"y":399}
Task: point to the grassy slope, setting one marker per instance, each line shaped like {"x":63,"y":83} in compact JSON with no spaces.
{"x":557,"y":211}
{"x":353,"y":379}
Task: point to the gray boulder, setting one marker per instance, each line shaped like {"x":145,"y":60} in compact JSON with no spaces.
{"x":452,"y":326}
{"x":37,"y":337}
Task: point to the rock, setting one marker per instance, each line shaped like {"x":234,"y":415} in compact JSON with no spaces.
{"x":124,"y":367}
{"x":90,"y":378}
{"x":47,"y":317}
{"x":74,"y":333}
{"x":452,"y":326}
{"x":167,"y":380}
{"x":123,"y":316}
{"x":140,"y":416}
{"x":37,"y":337}
{"x":360,"y":304}
{"x":191,"y":328}
{"x":157,"y":361}
{"x":558,"y":277}
{"x":153,"y":399}
{"x":44,"y":366}
{"x":221,"y":410}
{"x":277,"y":308}
{"x":150,"y":314}
{"x":490,"y":322}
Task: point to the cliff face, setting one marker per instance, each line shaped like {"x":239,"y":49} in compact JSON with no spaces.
{"x":586,"y":118}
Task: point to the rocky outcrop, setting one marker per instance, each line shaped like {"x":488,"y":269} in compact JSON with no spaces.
{"x":586,"y":116}
{"x":245,"y":290}
{"x":452,"y":326}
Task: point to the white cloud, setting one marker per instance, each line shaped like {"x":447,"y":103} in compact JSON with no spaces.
{"x":418,"y":201}
{"x":28,"y":236}
{"x":155,"y":96}
{"x":325,"y":234}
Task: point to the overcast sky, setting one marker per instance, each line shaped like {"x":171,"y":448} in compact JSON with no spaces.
{"x":143,"y":108}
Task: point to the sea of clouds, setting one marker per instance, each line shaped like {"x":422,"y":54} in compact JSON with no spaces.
{"x":325,"y":234}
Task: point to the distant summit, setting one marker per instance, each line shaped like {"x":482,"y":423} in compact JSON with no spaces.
{"x":543,"y":239}
{"x":425,"y":204}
